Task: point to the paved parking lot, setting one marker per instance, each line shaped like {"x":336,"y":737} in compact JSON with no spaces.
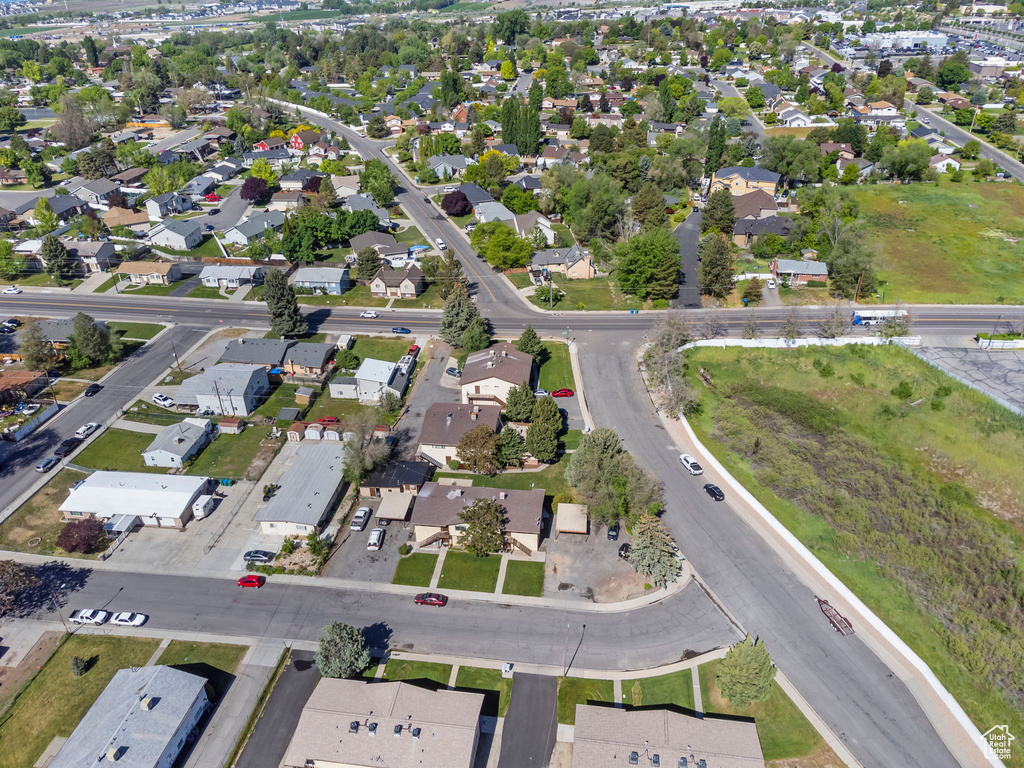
{"x":589,"y":569}
{"x":351,"y":560}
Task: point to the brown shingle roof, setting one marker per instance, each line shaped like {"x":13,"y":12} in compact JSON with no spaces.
{"x":441,"y":505}
{"x":124,"y":217}
{"x":752,"y":203}
{"x":501,"y":361}
{"x":144,"y":268}
{"x":438,"y":429}
{"x":393,"y":278}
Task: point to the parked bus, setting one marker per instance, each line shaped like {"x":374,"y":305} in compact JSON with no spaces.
{"x":877,"y":316}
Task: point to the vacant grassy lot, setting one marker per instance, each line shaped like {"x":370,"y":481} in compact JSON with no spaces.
{"x":415,"y":570}
{"x":578,"y":690}
{"x":147,"y":413}
{"x":55,"y":701}
{"x":402,"y":669}
{"x":674,"y":688}
{"x":282,"y":397}
{"x":524,"y":578}
{"x":429,"y":299}
{"x":356,"y":296}
{"x":783,"y":730}
{"x":39,"y":518}
{"x":118,"y":450}
{"x":390,"y":349}
{"x":216,"y":662}
{"x":915,"y":501}
{"x":556,"y":370}
{"x":945,"y":242}
{"x":462,"y":570}
{"x":326,"y":405}
{"x":143,"y":331}
{"x":598,"y":293}
{"x":151,"y":290}
{"x":66,"y":391}
{"x":230,"y":455}
{"x":478,"y":679}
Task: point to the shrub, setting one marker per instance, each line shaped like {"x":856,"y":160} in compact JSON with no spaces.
{"x":903,"y":391}
{"x":562,"y":498}
{"x":826,"y":371}
{"x":80,"y":535}
{"x":453,"y":464}
{"x":405,"y":549}
{"x":938,"y":405}
{"x":287,"y":546}
{"x":79,"y":666}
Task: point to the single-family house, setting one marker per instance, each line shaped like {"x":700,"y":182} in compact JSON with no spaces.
{"x":176,"y":234}
{"x":254,"y":228}
{"x":130,"y":177}
{"x":16,"y":386}
{"x":230,"y":276}
{"x":573,"y":262}
{"x":475,"y":194}
{"x":276,"y":157}
{"x":447,"y":166}
{"x":287,"y":200}
{"x":199,"y":187}
{"x":96,"y":192}
{"x":444,"y":424}
{"x":66,"y":207}
{"x":364,"y":202}
{"x":266,"y":352}
{"x":492,"y":211}
{"x":301,"y":179}
{"x":268,"y":144}
{"x":302,"y":140}
{"x":307,"y":492}
{"x":739,"y":180}
{"x":488,"y":375}
{"x":944,"y":163}
{"x":748,"y":230}
{"x":136,"y":221}
{"x":844,"y":149}
{"x":755,"y":205}
{"x":157,"y":500}
{"x":437,"y":515}
{"x":332,"y":281}
{"x":383,"y":243}
{"x":226,"y":389}
{"x":403,"y":284}
{"x":226,"y":169}
{"x":798,"y":273}
{"x":345,"y":186}
{"x":527,"y":224}
{"x":149,"y":272}
{"x":91,"y":255}
{"x":308,"y":359}
{"x":174,"y":445}
{"x":167,"y":204}
{"x":375,"y":377}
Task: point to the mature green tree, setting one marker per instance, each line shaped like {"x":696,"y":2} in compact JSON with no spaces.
{"x":56,"y":259}
{"x":35,"y":349}
{"x":647,"y":265}
{"x":478,"y":450}
{"x":546,"y":409}
{"x":500,"y":246}
{"x":970,"y":150}
{"x":652,"y":551}
{"x":719,"y":213}
{"x":510,"y":447}
{"x":715,"y":272}
{"x":91,"y":341}
{"x":476,"y":336}
{"x":521,"y":400}
{"x":364,"y":451}
{"x":485,"y":521}
{"x":368,"y":263}
{"x":12,"y":263}
{"x":379,"y":182}
{"x":46,"y":220}
{"x":529,"y":342}
{"x":648,"y":206}
{"x":11,"y":119}
{"x":510,"y":24}
{"x":285,"y":317}
{"x":459,"y":311}
{"x":445,"y":271}
{"x":342,"y":651}
{"x":746,"y":673}
{"x":542,"y":441}
{"x":377,"y":128}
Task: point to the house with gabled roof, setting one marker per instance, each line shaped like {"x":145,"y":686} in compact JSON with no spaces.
{"x":393,"y":283}
{"x":573,"y":262}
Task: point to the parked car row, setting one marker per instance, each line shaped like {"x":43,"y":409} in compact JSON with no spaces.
{"x":95,"y":618}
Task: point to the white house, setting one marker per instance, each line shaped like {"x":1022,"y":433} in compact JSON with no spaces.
{"x":375,"y":377}
{"x":177,"y":443}
{"x":176,"y":235}
{"x":245,"y":233}
{"x":944,"y":163}
{"x":229,"y":276}
{"x":226,"y":389}
{"x":307,"y":491}
{"x":488,"y":375}
{"x":161,"y":501}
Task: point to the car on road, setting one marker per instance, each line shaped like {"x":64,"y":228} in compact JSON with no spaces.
{"x":253,"y":580}
{"x":258,"y":556}
{"x":67,"y":447}
{"x":624,"y":551}
{"x":441,"y":244}
{"x":613,"y":532}
{"x":359,"y":519}
{"x":563,"y":393}
{"x":771,"y":284}
{"x":714,"y":492}
{"x":328,"y":420}
{"x":213,"y":212}
{"x":691,"y":464}
{"x":448,"y":190}
{"x":86,"y":429}
{"x":128,"y":619}
{"x":540,"y":393}
{"x":453,"y":372}
{"x":400,"y":329}
{"x":926,"y":120}
{"x":47,"y":464}
{"x":369,"y":313}
{"x":92,"y":389}
{"x":208,"y":228}
{"x":12,"y":290}
{"x":431,"y":598}
{"x":12,"y":322}
{"x":164,"y":400}
{"x":92,"y":616}
{"x":414,"y":351}
{"x":376,"y":540}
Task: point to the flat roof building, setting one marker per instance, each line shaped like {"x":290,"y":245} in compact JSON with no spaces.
{"x":163,"y":501}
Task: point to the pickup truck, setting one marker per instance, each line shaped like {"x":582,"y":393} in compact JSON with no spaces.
{"x":89,"y":616}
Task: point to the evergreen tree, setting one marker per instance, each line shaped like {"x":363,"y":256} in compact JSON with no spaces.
{"x":510,"y":447}
{"x":715,"y":273}
{"x":57,"y":260}
{"x":91,"y":53}
{"x":716,"y":145}
{"x":652,"y":551}
{"x":285,"y":317}
{"x":649,"y":205}
{"x":477,"y":143}
{"x":368,"y":263}
{"x":459,"y":311}
{"x":542,"y":441}
{"x":341,"y":651}
{"x":36,"y":351}
{"x":92,"y":342}
{"x":745,"y":674}
{"x":546,"y":409}
{"x":519,"y":406}
{"x":529,"y":342}
{"x":647,"y":265}
{"x":719,"y":213}
{"x":536,"y":95}
{"x":476,"y":336}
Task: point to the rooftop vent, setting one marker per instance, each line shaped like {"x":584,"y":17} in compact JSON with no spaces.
{"x":656,"y":761}
{"x":490,"y":363}
{"x":472,"y":416}
{"x":415,"y":733}
{"x":398,"y":730}
{"x":353,"y":727}
{"x":114,"y":754}
{"x":147,"y":702}
{"x":634,"y":758}
{"x":372,"y":728}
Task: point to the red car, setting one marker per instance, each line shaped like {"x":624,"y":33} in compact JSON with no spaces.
{"x":432,"y":598}
{"x":213,"y":198}
{"x":414,"y":350}
{"x":563,"y":393}
{"x":328,"y":420}
{"x":252,"y":580}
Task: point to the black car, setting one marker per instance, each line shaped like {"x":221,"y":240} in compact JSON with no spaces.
{"x":65,"y":448}
{"x":624,"y":551}
{"x":613,"y":532}
{"x":92,"y":389}
{"x":213,"y":212}
{"x":8,"y":329}
{"x":258,"y":556}
{"x":714,"y":492}
{"x":12,"y":323}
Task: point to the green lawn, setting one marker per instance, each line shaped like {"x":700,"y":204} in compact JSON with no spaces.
{"x":578,"y":690}
{"x":311,"y":338}
{"x":411,"y":235}
{"x":206,"y":292}
{"x":152,"y":290}
{"x":147,"y":413}
{"x":429,"y":299}
{"x":107,"y":285}
{"x":551,"y":479}
{"x":38,"y":519}
{"x":118,"y":450}
{"x":282,"y":397}
{"x":524,"y":578}
{"x":356,"y":296}
{"x":415,"y":570}
{"x":674,"y":688}
{"x":55,"y":700}
{"x":944,"y":243}
{"x":229,"y":455}
{"x":389,"y":349}
{"x":208,"y":248}
{"x":598,"y":293}
{"x":784,"y":732}
{"x":556,"y":370}
{"x":38,"y":280}
{"x":461,"y":570}
{"x":489,"y":680}
{"x":401,"y":669}
{"x":216,"y":662}
{"x":570,"y":441}
{"x":520,"y":279}
{"x":326,"y":405}
{"x":142,"y":331}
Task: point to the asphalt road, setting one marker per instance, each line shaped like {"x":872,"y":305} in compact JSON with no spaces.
{"x":528,"y":733}
{"x":231,"y":209}
{"x":688,"y":235}
{"x":174,"y":140}
{"x":18,"y":460}
{"x":750,"y":124}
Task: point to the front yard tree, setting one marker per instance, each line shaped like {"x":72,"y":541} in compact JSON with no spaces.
{"x":364,"y":451}
{"x":445,"y":271}
{"x":46,"y":220}
{"x":90,"y":341}
{"x":476,"y":337}
{"x":478,"y":450}
{"x":254,"y":189}
{"x":14,"y":578}
{"x":719,"y":213}
{"x":715,"y":272}
{"x":521,"y":400}
{"x":652,"y":551}
{"x":377,"y":127}
{"x":745,"y":674}
{"x":379,"y":182}
{"x":283,"y":307}
{"x":609,"y":480}
{"x":510,"y":447}
{"x":80,"y":535}
{"x":56,"y":259}
{"x":341,"y":651}
{"x":368,"y":263}
{"x":459,"y":311}
{"x":35,"y":349}
{"x":261,"y":169}
{"x":456,"y":204}
{"x":752,"y":292}
{"x":484,"y":519}
{"x":542,"y":441}
{"x":529,"y":342}
{"x":546,"y":409}
{"x":648,"y":265}
{"x":649,"y":206}
{"x":12,"y":264}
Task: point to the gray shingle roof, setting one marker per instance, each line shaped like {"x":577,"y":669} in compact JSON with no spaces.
{"x":178,"y":439}
{"x":309,"y":355}
{"x":307,"y":488}
{"x":256,"y":351}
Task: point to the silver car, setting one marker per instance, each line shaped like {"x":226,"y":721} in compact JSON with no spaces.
{"x":128,"y":619}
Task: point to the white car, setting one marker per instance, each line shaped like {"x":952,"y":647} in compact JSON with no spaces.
{"x":369,"y":313}
{"x":540,"y":393}
{"x":376,"y":539}
{"x":128,"y":619}
{"x":12,"y":290}
{"x":449,"y":189}
{"x":89,"y":616}
{"x":770,"y":284}
{"x":359,"y":519}
{"x":163,"y":400}
{"x":441,"y":244}
{"x":87,"y":429}
{"x":926,"y":120}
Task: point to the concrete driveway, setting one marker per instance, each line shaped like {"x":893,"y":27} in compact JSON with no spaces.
{"x":426,"y":391}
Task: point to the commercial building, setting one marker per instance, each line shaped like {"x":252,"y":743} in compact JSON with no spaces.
{"x":307,"y":491}
{"x":159,"y":501}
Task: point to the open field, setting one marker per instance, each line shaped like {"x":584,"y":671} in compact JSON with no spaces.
{"x":38,"y":519}
{"x":230,"y":455}
{"x":945,"y":242}
{"x":905,"y":484}
{"x":599,"y":293}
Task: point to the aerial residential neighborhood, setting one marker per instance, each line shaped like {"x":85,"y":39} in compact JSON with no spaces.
{"x":511,"y":385}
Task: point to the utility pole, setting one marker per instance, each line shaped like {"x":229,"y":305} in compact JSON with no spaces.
{"x":860,"y":281}
{"x":177,"y":363}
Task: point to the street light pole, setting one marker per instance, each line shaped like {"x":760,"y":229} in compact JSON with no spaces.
{"x":61,"y":615}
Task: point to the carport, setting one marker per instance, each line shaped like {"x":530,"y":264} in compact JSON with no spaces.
{"x":572,"y":518}
{"x":394,"y":507}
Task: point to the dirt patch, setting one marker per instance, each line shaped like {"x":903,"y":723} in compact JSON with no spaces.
{"x":13,"y":678}
{"x":262,"y":459}
{"x":820,"y":758}
{"x":617,"y":588}
{"x":561,"y":755}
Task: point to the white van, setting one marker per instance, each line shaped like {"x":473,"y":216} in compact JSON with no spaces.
{"x":691,"y":464}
